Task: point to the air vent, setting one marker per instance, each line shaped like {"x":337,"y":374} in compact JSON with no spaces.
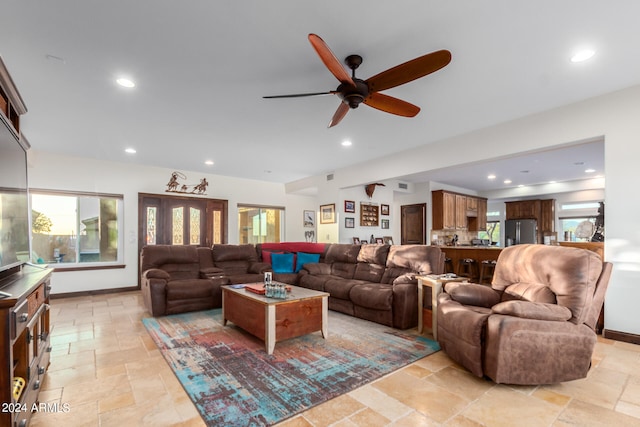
{"x":403,"y":186}
{"x":330,"y":177}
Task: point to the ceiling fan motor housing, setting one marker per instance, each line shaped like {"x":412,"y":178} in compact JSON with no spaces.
{"x":353,"y":96}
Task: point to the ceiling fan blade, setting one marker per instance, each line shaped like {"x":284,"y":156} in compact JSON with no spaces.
{"x":342,"y":111}
{"x":409,"y":71}
{"x":330,"y":60}
{"x":391,"y":105}
{"x":300,"y":95}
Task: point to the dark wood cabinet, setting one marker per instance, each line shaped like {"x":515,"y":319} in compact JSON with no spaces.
{"x":24,"y":322}
{"x":480,"y":223}
{"x":543,"y":211}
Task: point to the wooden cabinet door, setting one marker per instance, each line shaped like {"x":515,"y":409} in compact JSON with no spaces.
{"x":461,"y":212}
{"x":472,"y":206}
{"x":481,"y":221}
{"x":547,"y":215}
{"x":449,"y":213}
{"x":512,"y":210}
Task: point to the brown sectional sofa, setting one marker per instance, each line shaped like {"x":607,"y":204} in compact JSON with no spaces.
{"x":373,"y":282}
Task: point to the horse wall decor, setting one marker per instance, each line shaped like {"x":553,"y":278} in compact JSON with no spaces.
{"x":174,"y":185}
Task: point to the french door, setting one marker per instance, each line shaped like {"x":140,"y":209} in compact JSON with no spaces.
{"x":175,"y":220}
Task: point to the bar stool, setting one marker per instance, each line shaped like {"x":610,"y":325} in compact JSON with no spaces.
{"x":468,"y":267}
{"x":448,"y":265}
{"x":487,"y":267}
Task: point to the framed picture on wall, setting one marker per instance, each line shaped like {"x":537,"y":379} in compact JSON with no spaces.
{"x":384,"y":223}
{"x":309,"y":218}
{"x":384,"y":209}
{"x":349,"y":223}
{"x":349,"y":206}
{"x":328,"y":214}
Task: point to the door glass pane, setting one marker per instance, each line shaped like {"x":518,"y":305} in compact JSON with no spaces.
{"x":194,"y":226}
{"x":217,"y":227}
{"x":177,"y":226}
{"x":151,"y":225}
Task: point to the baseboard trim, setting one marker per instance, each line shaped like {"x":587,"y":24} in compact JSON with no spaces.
{"x":621,"y":336}
{"x":95,"y":292}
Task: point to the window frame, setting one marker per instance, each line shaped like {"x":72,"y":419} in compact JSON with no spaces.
{"x":90,"y":265}
{"x":281,"y":209}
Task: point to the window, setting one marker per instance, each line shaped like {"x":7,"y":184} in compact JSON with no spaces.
{"x":573,"y":231}
{"x":492,"y":233}
{"x":259,"y":224}
{"x":76,"y":228}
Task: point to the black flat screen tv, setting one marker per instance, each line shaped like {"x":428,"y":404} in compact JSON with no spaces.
{"x":14,"y":201}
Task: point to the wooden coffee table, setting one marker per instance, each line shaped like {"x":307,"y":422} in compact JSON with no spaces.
{"x":272,"y":320}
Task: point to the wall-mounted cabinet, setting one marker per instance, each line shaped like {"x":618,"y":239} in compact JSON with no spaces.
{"x":543,"y":211}
{"x":454,"y":211}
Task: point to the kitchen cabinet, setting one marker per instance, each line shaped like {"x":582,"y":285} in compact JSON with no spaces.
{"x":548,"y":215}
{"x":480,"y":223}
{"x":454,"y":211}
{"x":461,"y":212}
{"x":443,"y":210}
{"x":524,"y":209}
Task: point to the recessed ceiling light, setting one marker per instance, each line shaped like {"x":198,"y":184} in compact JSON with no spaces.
{"x":124,"y":82}
{"x":520,"y":185}
{"x":552,"y":182}
{"x":130,"y":150}
{"x":346,"y":143}
{"x":507,"y":181}
{"x":582,"y":55}
{"x":492,"y":176}
{"x":208,"y":162}
{"x":589,"y":170}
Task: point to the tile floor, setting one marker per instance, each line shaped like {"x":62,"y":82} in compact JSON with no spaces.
{"x":106,"y":371}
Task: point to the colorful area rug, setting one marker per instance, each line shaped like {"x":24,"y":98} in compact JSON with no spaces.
{"x":234,"y":382}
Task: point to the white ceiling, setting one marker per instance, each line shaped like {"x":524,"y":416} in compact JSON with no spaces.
{"x":202,"y":67}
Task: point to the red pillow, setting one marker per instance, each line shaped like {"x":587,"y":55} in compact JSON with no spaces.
{"x":266,"y":256}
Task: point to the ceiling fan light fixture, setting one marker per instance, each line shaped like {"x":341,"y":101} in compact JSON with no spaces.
{"x":125,"y":82}
{"x":583,"y":55}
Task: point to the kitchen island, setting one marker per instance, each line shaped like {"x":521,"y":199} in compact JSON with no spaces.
{"x":479,"y":253}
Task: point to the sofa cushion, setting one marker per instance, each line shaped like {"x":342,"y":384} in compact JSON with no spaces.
{"x":345,"y":270}
{"x":341,"y":252}
{"x":305,"y":258}
{"x":534,"y":292}
{"x":189,"y":289}
{"x":282,"y":263}
{"x":373,"y":254}
{"x":418,"y":258}
{"x":340,"y":288}
{"x":533,"y":310}
{"x":266,"y":256}
{"x":391,"y":274}
{"x":472,"y":294}
{"x":318,"y":268}
{"x":369,"y":272}
{"x":233,"y":268}
{"x":315,"y":282}
{"x":375,"y":296}
{"x":225,"y":252}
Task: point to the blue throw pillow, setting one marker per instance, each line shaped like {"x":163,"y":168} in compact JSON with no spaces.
{"x":282,"y":263}
{"x":304,"y":258}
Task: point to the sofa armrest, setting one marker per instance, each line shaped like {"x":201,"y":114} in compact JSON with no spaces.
{"x":472,"y":294}
{"x":211,"y":272}
{"x":533,"y":310}
{"x":156,"y":273}
{"x":317,"y":268}
{"x":407,"y":278}
{"x":259,"y":267}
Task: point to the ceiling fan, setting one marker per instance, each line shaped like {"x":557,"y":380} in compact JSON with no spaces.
{"x":353,"y":91}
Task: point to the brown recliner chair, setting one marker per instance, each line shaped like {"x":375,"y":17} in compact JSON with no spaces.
{"x":535,"y":324}
{"x":172,"y":282}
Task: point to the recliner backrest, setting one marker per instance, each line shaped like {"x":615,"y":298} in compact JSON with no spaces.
{"x":180,"y":261}
{"x":234,"y":259}
{"x":569,"y":273}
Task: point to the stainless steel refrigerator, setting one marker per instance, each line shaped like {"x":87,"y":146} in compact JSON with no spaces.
{"x":519,"y":231}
